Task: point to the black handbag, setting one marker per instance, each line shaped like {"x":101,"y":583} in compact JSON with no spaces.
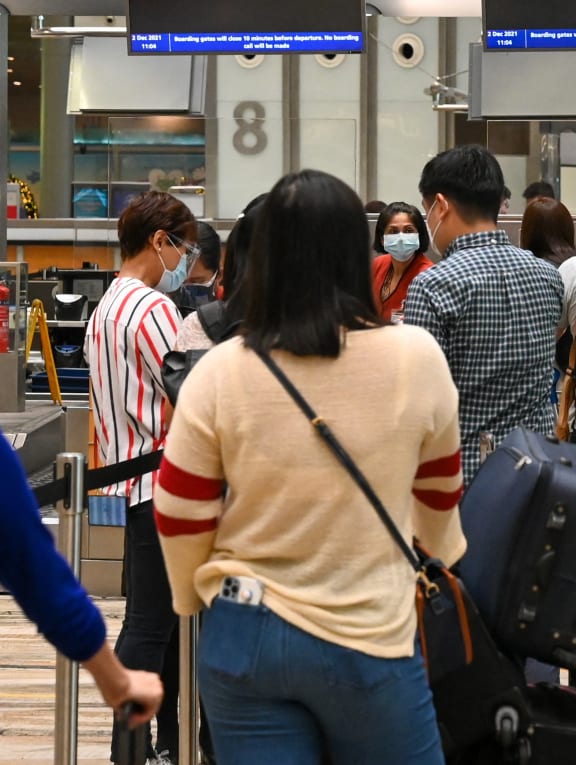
{"x":175,"y":368}
{"x":442,"y":603}
{"x":177,"y":364}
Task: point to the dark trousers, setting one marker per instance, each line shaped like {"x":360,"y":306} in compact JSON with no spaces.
{"x":149,"y":635}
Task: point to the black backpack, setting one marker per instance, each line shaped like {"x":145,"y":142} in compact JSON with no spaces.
{"x":177,"y":364}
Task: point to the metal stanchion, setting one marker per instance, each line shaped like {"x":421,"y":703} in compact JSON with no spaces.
{"x":189,"y":702}
{"x":69,"y":465}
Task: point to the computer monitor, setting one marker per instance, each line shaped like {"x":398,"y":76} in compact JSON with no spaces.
{"x":86,"y":281}
{"x":122,"y":193}
{"x":251,"y":28}
{"x":529,"y":25}
{"x":90,"y":200}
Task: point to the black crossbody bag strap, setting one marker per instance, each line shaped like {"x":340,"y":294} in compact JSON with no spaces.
{"x":344,"y":458}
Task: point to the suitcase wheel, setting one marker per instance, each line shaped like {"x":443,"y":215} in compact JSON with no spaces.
{"x":507,"y":722}
{"x":524,"y":753}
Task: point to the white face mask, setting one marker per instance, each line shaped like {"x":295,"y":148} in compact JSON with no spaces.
{"x":432,"y":234}
{"x":208,"y":283}
{"x":401,"y":246}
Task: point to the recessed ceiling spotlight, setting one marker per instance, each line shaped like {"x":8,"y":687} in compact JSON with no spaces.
{"x":17,"y":83}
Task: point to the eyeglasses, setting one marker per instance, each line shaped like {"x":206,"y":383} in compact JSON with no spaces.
{"x":192,"y":249}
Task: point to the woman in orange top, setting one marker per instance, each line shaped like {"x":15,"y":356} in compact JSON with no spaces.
{"x":401,"y":235}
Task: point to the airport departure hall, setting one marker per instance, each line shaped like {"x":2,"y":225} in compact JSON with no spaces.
{"x":212,"y":102}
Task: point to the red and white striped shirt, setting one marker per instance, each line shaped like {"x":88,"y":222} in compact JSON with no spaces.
{"x":130,"y":331}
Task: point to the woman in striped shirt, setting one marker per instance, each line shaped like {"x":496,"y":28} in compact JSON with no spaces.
{"x":130,"y":331}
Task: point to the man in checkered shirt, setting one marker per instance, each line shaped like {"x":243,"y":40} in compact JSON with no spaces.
{"x":492,"y":307}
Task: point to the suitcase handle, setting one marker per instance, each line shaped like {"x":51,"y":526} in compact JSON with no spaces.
{"x":131,"y":743}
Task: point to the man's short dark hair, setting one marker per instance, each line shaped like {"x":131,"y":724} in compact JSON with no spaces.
{"x":538,"y":189}
{"x":149,"y":212}
{"x":374,"y":206}
{"x":470,"y":177}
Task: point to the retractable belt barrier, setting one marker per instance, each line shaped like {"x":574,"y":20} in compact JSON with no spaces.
{"x":97,"y":478}
{"x":69,"y":492}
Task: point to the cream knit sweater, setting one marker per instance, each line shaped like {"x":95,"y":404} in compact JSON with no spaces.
{"x":291,"y":516}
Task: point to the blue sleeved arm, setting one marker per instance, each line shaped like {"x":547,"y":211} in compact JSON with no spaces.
{"x":37,"y":575}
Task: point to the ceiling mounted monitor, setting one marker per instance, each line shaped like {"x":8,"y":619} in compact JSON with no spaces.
{"x":103,"y":78}
{"x":529,"y":25}
{"x":249,"y":28}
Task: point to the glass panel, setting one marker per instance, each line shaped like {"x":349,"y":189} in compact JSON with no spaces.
{"x":216,"y":166}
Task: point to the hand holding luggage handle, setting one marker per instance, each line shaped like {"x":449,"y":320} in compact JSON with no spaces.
{"x":132,"y":741}
{"x":431,"y":600}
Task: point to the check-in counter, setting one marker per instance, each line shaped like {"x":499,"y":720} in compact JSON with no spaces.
{"x":72,"y":243}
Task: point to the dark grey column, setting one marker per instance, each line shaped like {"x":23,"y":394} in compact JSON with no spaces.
{"x":368,"y":123}
{"x":291,"y":113}
{"x":211,"y":138}
{"x":447,"y":35}
{"x":4,"y":16}
{"x":56,"y":127}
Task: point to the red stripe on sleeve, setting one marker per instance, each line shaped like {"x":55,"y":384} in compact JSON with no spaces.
{"x":442,"y":467}
{"x":438,"y":500}
{"x":174,"y":527}
{"x":186,"y":485}
{"x":152,"y":345}
{"x":170,"y":316}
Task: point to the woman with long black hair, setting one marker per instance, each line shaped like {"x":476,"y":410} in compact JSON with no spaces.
{"x":309,"y":633}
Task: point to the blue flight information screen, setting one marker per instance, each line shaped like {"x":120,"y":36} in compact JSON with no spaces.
{"x":247,"y":42}
{"x":529,"y":24}
{"x":530,"y":39}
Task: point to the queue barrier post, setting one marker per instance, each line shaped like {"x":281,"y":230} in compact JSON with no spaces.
{"x":71,"y":474}
{"x":189,"y":749}
{"x":69,"y":466}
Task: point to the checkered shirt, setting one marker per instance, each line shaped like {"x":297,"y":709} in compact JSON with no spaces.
{"x":494,"y":310}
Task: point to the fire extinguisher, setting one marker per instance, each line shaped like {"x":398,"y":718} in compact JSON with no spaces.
{"x":4,"y":318}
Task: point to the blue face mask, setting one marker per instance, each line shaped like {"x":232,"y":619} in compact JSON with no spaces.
{"x":401,"y":246}
{"x":170,"y":281}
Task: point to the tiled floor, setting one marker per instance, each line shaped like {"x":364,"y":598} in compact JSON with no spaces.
{"x":27,"y":698}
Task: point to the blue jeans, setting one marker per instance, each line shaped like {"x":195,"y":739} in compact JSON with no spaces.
{"x":275,"y":695}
